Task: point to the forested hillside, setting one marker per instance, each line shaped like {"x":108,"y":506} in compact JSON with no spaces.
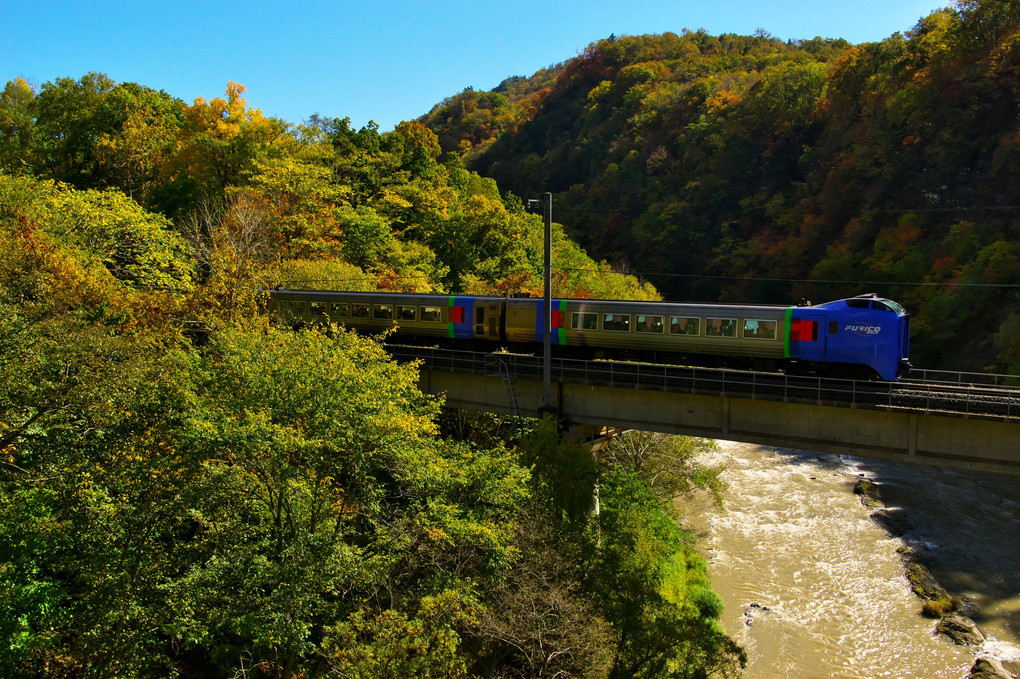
{"x":188,"y":489}
{"x":743,"y":168}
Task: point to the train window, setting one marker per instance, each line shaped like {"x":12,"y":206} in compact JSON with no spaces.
{"x":616,"y":322}
{"x":431,"y":314}
{"x":882,"y":306}
{"x":684,"y":325}
{"x":318,"y":308}
{"x":755,"y":329}
{"x":584,"y":321}
{"x":299,"y":308}
{"x":479,"y":314}
{"x":338,"y":310}
{"x":383,"y":312}
{"x":407,"y":313}
{"x":858,"y":303}
{"x":896,"y":308}
{"x":649,"y":324}
{"x":833,"y":327}
{"x":359,"y":311}
{"x":720,"y":327}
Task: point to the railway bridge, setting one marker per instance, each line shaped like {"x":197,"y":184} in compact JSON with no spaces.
{"x":967,"y":421}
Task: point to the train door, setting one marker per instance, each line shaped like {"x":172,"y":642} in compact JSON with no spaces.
{"x":492,"y":312}
{"x":486,"y":320}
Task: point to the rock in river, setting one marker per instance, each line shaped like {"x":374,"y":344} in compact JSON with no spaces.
{"x":870,"y":495}
{"x":960,"y":629}
{"x":988,"y":668}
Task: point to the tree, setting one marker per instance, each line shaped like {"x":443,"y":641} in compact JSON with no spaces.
{"x":134,"y":245}
{"x":324,"y":493}
{"x":17,"y":127}
{"x":71,"y":116}
{"x":417,"y":146}
{"x":91,"y":385}
{"x":654,"y":589}
{"x":233,"y":244}
{"x":133,"y":159}
{"x":96,"y":133}
{"x":538,"y":621}
{"x":301,"y":199}
{"x":668,"y":464}
{"x":219,"y":142}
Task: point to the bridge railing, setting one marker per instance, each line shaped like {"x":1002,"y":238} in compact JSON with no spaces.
{"x":926,"y":376}
{"x":709,"y":381}
{"x":470,"y":362}
{"x":964,"y":399}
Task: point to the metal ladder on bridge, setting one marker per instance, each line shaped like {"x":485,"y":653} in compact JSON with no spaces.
{"x":510,"y":384}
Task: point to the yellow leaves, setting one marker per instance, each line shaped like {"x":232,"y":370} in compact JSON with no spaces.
{"x":19,"y":88}
{"x":224,"y":117}
{"x":391,"y":202}
{"x":221,"y":138}
{"x":236,"y":103}
{"x":598,"y":92}
{"x":934,"y":35}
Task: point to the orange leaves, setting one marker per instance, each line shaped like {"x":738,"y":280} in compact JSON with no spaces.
{"x":898,"y":240}
{"x":944,"y":268}
{"x":721,"y":101}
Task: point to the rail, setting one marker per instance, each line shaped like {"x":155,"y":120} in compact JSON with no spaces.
{"x":956,"y":399}
{"x":925,"y":376}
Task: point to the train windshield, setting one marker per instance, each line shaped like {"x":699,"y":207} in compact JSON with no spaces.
{"x":889,"y":305}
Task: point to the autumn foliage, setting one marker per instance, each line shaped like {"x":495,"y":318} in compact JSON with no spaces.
{"x":744,"y":168}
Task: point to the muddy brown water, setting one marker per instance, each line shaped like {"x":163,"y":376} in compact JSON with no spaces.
{"x":814,"y":588}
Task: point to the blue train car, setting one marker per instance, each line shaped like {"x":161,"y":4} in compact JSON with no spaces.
{"x":861,"y":331}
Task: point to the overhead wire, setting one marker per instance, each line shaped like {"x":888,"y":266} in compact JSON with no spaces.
{"x":755,"y":279}
{"x":660,"y":274}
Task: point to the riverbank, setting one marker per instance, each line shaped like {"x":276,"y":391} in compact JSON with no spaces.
{"x":961,"y":546}
{"x":815,"y":587}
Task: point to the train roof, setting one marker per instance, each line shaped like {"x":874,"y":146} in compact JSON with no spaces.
{"x":868,"y":300}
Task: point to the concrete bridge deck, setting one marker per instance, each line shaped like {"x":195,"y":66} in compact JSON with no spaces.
{"x":964,"y":426}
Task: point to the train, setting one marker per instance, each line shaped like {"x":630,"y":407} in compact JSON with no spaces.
{"x":863,"y":337}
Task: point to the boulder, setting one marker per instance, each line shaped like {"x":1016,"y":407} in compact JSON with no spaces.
{"x":924,"y":584}
{"x":894,"y":521}
{"x":870,"y":495}
{"x":988,"y":668}
{"x":961,"y":630}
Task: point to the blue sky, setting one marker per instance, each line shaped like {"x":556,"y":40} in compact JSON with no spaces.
{"x":382,"y":60}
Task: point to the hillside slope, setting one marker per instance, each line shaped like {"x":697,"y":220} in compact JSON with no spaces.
{"x":746,"y":168}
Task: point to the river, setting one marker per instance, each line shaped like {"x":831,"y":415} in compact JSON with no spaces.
{"x":814,"y":588}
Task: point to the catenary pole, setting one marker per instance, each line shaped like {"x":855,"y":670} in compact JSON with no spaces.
{"x":547,"y":296}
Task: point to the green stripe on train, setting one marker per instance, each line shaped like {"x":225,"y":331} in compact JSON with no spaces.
{"x":449,"y":323}
{"x":786,"y":333}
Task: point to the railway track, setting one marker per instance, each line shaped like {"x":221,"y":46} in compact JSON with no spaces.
{"x":973,"y":399}
{"x":946,"y":393}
